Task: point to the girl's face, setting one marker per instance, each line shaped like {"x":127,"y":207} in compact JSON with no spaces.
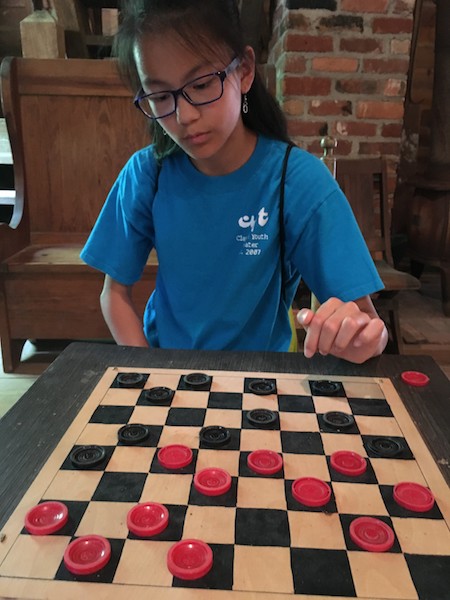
{"x":212,"y":135}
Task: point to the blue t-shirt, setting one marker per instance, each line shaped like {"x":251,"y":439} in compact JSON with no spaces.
{"x":219,"y":282}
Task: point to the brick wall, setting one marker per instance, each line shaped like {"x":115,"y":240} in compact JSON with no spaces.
{"x":342,"y":67}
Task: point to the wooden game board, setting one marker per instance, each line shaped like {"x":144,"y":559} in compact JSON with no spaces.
{"x":265,"y":544}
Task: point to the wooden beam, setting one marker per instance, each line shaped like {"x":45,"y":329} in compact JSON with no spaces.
{"x":42,"y":36}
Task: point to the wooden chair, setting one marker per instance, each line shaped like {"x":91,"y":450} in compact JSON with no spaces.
{"x":364,"y":182}
{"x":72,"y":127}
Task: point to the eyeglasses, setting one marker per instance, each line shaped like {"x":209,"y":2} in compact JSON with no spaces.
{"x":202,"y":90}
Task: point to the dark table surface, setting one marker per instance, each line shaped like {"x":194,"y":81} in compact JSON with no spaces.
{"x":30,"y":431}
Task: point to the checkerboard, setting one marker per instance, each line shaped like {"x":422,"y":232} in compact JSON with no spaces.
{"x":265,"y":544}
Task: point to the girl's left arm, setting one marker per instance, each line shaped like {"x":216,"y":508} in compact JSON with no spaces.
{"x":349,"y":330}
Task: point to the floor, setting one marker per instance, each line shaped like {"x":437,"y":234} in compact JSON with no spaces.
{"x":425,"y":330}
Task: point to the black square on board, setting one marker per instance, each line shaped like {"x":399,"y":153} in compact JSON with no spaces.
{"x":186,"y":417}
{"x":174,"y":530}
{"x":229,"y":499}
{"x":395,"y":510}
{"x":105,"y":575}
{"x":430,"y":574}
{"x":295,"y":505}
{"x":372,"y":407}
{"x":302,"y":442}
{"x":221,"y":575}
{"x":120,"y":487}
{"x":262,"y":527}
{"x":112,"y":414}
{"x":292,"y":403}
{"x":322,"y":572}
{"x":350,"y":544}
{"x":231,"y":400}
{"x":76,"y":510}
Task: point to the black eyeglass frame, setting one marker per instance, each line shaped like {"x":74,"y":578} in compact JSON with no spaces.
{"x":181,"y":91}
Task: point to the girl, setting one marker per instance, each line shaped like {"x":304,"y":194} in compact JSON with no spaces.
{"x":233,"y":233}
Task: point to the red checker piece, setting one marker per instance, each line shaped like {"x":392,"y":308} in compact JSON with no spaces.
{"x":348,"y":463}
{"x":264,"y":462}
{"x":311,"y":491}
{"x":413,"y":496}
{"x":212,"y":481}
{"x":46,"y":518}
{"x":175,"y":456}
{"x":371,"y":534}
{"x":415,"y":378}
{"x":87,"y":554}
{"x":189,"y":559}
{"x":147,"y":519}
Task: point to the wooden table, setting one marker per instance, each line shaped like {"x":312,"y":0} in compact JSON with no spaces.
{"x":33,"y":427}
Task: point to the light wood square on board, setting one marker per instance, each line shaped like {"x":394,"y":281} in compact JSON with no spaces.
{"x":378,"y":426}
{"x":120,"y":397}
{"x":228,"y":383}
{"x":149,"y":415}
{"x":35,"y":556}
{"x":100,"y":434}
{"x":170,"y":489}
{"x":324,"y":404}
{"x":390,"y":471}
{"x":316,"y":530}
{"x":257,"y":439}
{"x":422,"y":536}
{"x":169,"y":380}
{"x":211,"y":524}
{"x":190,"y":399}
{"x":367,"y":389}
{"x":257,"y":492}
{"x":381,"y":575}
{"x":305,"y":465}
{"x":358,"y":499}
{"x":144,"y":562}
{"x":108,"y":519}
{"x":228,"y":460}
{"x":253,"y":401}
{"x":293,"y":387}
{"x":131,"y":459}
{"x":187,"y":436}
{"x":225,"y":418}
{"x":290,"y":421}
{"x":262,"y":569}
{"x":73,"y":485}
{"x":333,"y":442}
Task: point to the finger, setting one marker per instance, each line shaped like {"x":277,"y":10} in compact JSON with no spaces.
{"x":347,"y":333}
{"x":314,"y":332}
{"x":304,"y":317}
{"x":370,"y":335}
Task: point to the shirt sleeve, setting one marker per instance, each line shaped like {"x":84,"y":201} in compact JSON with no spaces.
{"x":123,"y":235}
{"x":323,"y":240}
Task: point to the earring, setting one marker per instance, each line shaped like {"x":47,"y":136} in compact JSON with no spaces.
{"x":245,"y":104}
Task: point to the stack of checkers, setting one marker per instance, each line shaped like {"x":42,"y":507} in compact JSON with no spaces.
{"x":274,"y":484}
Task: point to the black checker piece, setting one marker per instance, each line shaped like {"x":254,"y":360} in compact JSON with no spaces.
{"x":327,"y":388}
{"x":130,"y":380}
{"x":260,"y":387}
{"x":234,"y":442}
{"x":261,"y":418}
{"x":386,"y":447}
{"x":214,"y":436}
{"x":195,"y":381}
{"x":159,"y":396}
{"x":337,"y":422}
{"x":133,"y":434}
{"x":85,"y":457}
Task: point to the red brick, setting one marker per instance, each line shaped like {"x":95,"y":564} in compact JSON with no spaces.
{"x":404,"y":6}
{"x":392,"y":25}
{"x":392,"y":130}
{"x":392,"y":148}
{"x":306,"y":86}
{"x":308,"y":128}
{"x":364,"y":6}
{"x":381,"y":65}
{"x":294,"y":63}
{"x":357,"y":86}
{"x":335,"y":65}
{"x":394,"y":87}
{"x":297,"y":20}
{"x":330,"y":107}
{"x":344,"y":128}
{"x":361,"y":46}
{"x":308,"y":43}
{"x":379,"y":110}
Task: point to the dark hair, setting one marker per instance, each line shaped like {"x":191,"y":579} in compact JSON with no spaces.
{"x":206,"y":23}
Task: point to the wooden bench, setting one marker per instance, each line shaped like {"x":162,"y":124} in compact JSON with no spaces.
{"x":72,"y":127}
